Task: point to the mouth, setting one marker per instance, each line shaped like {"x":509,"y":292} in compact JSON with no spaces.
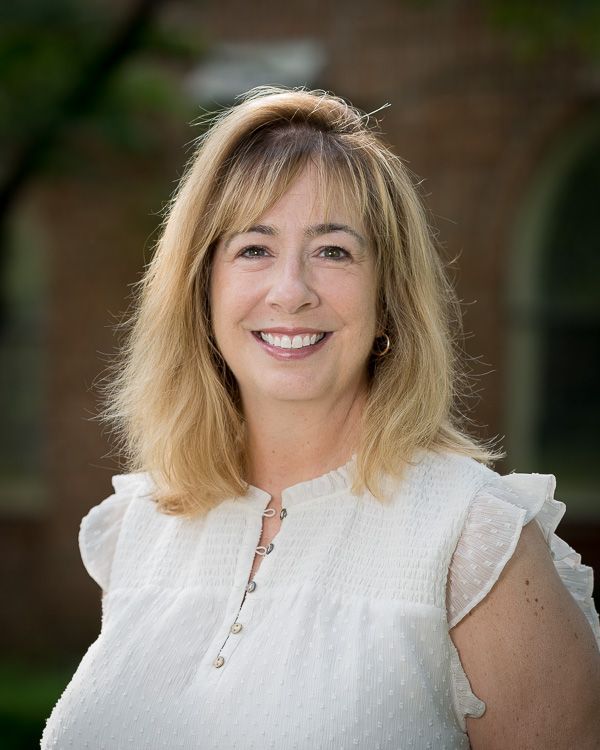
{"x":299,"y":341}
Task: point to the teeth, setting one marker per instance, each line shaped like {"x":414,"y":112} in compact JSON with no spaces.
{"x":297,"y":342}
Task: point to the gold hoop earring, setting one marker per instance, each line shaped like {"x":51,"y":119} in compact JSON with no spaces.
{"x":388,"y":346}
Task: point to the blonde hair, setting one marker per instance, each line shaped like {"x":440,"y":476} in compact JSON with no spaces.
{"x":172,"y":400}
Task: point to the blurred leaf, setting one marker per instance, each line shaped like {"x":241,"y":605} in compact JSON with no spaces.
{"x":540,"y":28}
{"x":39,"y":58}
{"x":536,"y":28}
{"x":128,"y":110}
{"x":46,"y":47}
{"x":173,"y":43}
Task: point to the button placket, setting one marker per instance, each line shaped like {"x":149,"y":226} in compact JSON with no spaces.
{"x":246,"y":607}
{"x":261,"y":549}
{"x":235,"y":633}
{"x":266,"y":550}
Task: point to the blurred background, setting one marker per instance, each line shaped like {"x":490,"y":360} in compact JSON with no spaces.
{"x":495,"y":105}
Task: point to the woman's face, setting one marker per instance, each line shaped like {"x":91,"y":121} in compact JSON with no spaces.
{"x":293,"y":302}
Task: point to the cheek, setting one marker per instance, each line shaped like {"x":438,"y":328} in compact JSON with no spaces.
{"x":231,"y":301}
{"x":219,"y":297}
{"x":359,"y":301}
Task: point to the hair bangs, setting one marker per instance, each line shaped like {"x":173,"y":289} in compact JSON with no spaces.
{"x":261,"y":173}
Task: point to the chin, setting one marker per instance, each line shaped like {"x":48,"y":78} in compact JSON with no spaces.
{"x":288,"y":390}
{"x":292,"y":394}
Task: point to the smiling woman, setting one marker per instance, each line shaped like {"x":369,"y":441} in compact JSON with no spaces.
{"x":309,"y":551}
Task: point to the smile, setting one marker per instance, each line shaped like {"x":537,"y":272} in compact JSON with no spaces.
{"x":286,"y":348}
{"x":291,"y":342}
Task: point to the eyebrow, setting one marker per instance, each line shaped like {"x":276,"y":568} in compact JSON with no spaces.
{"x":311,"y":232}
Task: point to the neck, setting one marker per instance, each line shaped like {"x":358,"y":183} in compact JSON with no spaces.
{"x":292,"y":442}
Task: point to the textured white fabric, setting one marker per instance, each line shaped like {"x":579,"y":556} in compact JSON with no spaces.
{"x":344,"y":642}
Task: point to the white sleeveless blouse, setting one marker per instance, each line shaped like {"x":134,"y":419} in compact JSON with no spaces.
{"x":341,"y":639}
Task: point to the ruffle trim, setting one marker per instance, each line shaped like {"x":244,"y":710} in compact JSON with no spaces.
{"x":488,"y":540}
{"x":99,"y":529}
{"x":466,"y":703}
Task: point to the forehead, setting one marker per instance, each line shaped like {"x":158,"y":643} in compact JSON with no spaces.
{"x":315,"y":196}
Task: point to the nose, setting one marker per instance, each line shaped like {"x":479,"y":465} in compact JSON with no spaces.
{"x":290,"y":289}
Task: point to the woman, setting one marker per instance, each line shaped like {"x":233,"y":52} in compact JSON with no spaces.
{"x":292,"y":560}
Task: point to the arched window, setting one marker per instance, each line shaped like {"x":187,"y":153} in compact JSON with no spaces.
{"x":553,"y":397}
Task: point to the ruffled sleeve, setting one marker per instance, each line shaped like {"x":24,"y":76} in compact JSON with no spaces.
{"x":488,"y":540}
{"x":490,"y":535}
{"x":99,"y":529}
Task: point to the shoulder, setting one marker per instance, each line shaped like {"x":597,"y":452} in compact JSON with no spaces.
{"x":447,"y":482}
{"x":530,"y":654}
{"x":101,"y":527}
{"x":448,"y":471}
{"x":108,"y":515}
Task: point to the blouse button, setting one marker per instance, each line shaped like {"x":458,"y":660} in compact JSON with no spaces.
{"x":283,"y":513}
{"x":236,"y":627}
{"x":219,"y":661}
{"x":270,"y":548}
{"x":251,"y":586}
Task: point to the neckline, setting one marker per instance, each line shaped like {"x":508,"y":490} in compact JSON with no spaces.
{"x":337,"y":480}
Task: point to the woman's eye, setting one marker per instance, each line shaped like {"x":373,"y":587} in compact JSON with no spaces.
{"x":253,"y":251}
{"x":335,"y":253}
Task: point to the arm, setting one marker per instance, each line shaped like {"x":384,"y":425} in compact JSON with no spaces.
{"x":530,"y":654}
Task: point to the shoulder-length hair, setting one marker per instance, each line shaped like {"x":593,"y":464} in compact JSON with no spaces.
{"x":172,"y":400}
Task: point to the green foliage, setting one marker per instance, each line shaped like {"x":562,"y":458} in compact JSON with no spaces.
{"x":537,"y":28}
{"x":127,"y":111}
{"x":27,"y":696}
{"x":46,"y":49}
{"x":540,"y":28}
{"x":43,"y":45}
